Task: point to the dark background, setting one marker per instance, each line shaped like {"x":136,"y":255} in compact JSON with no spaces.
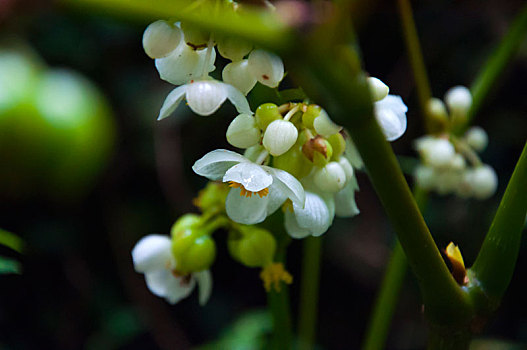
{"x":78,"y":288}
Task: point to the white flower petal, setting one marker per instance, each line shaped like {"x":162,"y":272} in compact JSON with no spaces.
{"x":178,"y":288}
{"x":204,"y":97}
{"x":237,"y":99}
{"x":314,"y":216}
{"x":290,"y":185}
{"x":245,"y":210}
{"x":204,"y":279}
{"x":215,"y":164}
{"x":275,"y":198}
{"x":324,"y":125}
{"x":352,"y":154}
{"x":266,"y":67}
{"x":251,"y":176}
{"x":243,"y":132}
{"x":292,"y":228}
{"x":172,"y":101}
{"x":279,"y":137}
{"x":182,"y":65}
{"x":345,"y":205}
{"x":391,"y":116}
{"x":152,"y":252}
{"x":237,"y":74}
{"x":160,"y":38}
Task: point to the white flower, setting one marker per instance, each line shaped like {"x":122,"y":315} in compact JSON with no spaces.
{"x":184,"y":64}
{"x":257,"y":190}
{"x":204,"y":97}
{"x":238,"y":75}
{"x":459,"y":100}
{"x":477,"y":138}
{"x":152,"y":256}
{"x":331,"y":178}
{"x":266,"y":67}
{"x":391,"y":116}
{"x":345,"y":205}
{"x":313,"y":219}
{"x":435,"y":151}
{"x":279,"y":137}
{"x":324,"y":125}
{"x":160,"y":38}
{"x":484,"y":181}
{"x":243,"y":132}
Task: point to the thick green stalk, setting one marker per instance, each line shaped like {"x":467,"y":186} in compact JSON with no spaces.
{"x":309,"y":292}
{"x":497,"y":62}
{"x":497,"y":257}
{"x":415,"y":55}
{"x":386,"y":301}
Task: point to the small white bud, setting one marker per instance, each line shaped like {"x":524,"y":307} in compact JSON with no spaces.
{"x":477,"y":138}
{"x":324,"y":125}
{"x":484,"y":182}
{"x":233,"y":49}
{"x":378,"y":89}
{"x":279,"y":137}
{"x":436,"y":108}
{"x":437,"y":152}
{"x":331,"y":178}
{"x":458,"y":99}
{"x":390,"y":113}
{"x":206,"y":96}
{"x":457,"y":162}
{"x":161,"y":38}
{"x":346,"y":166}
{"x":266,"y":67}
{"x":464,"y":187}
{"x":238,"y":75}
{"x":425,"y":177}
{"x":243,"y":132}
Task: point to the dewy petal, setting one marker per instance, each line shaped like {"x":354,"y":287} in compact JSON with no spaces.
{"x":345,"y":205}
{"x":290,"y":185}
{"x":237,"y":99}
{"x":204,"y":279}
{"x":172,"y":101}
{"x":251,"y":176}
{"x":152,"y":252}
{"x":292,"y":228}
{"x":314,"y":216}
{"x":215,"y":164}
{"x":245,"y":210}
{"x":391,"y":115}
{"x":204,"y":97}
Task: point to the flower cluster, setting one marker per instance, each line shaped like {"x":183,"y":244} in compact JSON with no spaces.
{"x":450,"y":164}
{"x":295,"y":158}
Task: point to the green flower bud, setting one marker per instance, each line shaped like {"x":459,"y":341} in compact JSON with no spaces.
{"x":184,"y":223}
{"x":212,"y":197}
{"x":318,"y":150}
{"x":308,"y":118}
{"x":193,"y":251}
{"x":252,"y":246}
{"x":266,"y":114}
{"x":294,"y":162}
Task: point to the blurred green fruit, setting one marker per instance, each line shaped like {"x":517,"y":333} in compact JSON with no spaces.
{"x":56,"y":130}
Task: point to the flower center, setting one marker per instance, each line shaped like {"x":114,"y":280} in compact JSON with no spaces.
{"x":273,"y":275}
{"x":244,"y":192}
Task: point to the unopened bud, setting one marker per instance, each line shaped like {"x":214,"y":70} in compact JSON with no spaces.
{"x":308,"y":118}
{"x":437,"y":152}
{"x":243,"y":132}
{"x":331,"y":178}
{"x":484,"y":182}
{"x":193,"y":252}
{"x":477,"y":138}
{"x":237,"y":74}
{"x":459,"y":100}
{"x":279,"y":137}
{"x":425,"y":177}
{"x":212,"y":197}
{"x":252,"y":246}
{"x":233,"y":48}
{"x":266,"y":114}
{"x":161,"y":38}
{"x":318,"y":150}
{"x":378,"y":89}
{"x":324,"y":125}
{"x":346,"y":166}
{"x":266,"y":67}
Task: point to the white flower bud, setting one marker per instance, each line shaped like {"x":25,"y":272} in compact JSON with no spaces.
{"x":266,"y":67}
{"x":447,"y":181}
{"x":243,"y":132}
{"x":233,"y":49}
{"x":464,"y":187}
{"x":279,"y":137}
{"x":484,"y":182}
{"x":457,"y":162}
{"x":161,"y":38}
{"x":477,"y":138}
{"x":458,"y":100}
{"x":238,"y":75}
{"x":425,"y":177}
{"x":331,"y":178}
{"x":378,"y":89}
{"x":324,"y":125}
{"x":206,"y":96}
{"x":346,"y":166}
{"x":390,"y":113}
{"x":437,"y":152}
{"x":436,"y":108}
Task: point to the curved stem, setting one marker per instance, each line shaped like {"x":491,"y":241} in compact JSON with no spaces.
{"x":386,"y":301}
{"x":311,"y":256}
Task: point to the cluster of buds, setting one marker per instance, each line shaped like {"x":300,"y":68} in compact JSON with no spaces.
{"x":450,"y":164}
{"x":295,"y":158}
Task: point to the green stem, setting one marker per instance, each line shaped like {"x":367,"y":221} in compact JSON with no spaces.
{"x":415,"y":55}
{"x":497,"y":257}
{"x":280,"y":307}
{"x":309,"y":292}
{"x":386,"y":301}
{"x":497,"y":63}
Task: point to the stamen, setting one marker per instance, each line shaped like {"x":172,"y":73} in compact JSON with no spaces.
{"x":273,"y":275}
{"x":244,"y":192}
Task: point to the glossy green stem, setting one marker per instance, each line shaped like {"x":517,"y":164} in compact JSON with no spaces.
{"x":497,"y":63}
{"x":307,"y":322}
{"x":415,"y":56}
{"x":497,"y":257}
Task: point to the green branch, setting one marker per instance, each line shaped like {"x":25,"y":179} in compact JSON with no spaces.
{"x":496,"y":64}
{"x":495,"y":263}
{"x":309,"y":292}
